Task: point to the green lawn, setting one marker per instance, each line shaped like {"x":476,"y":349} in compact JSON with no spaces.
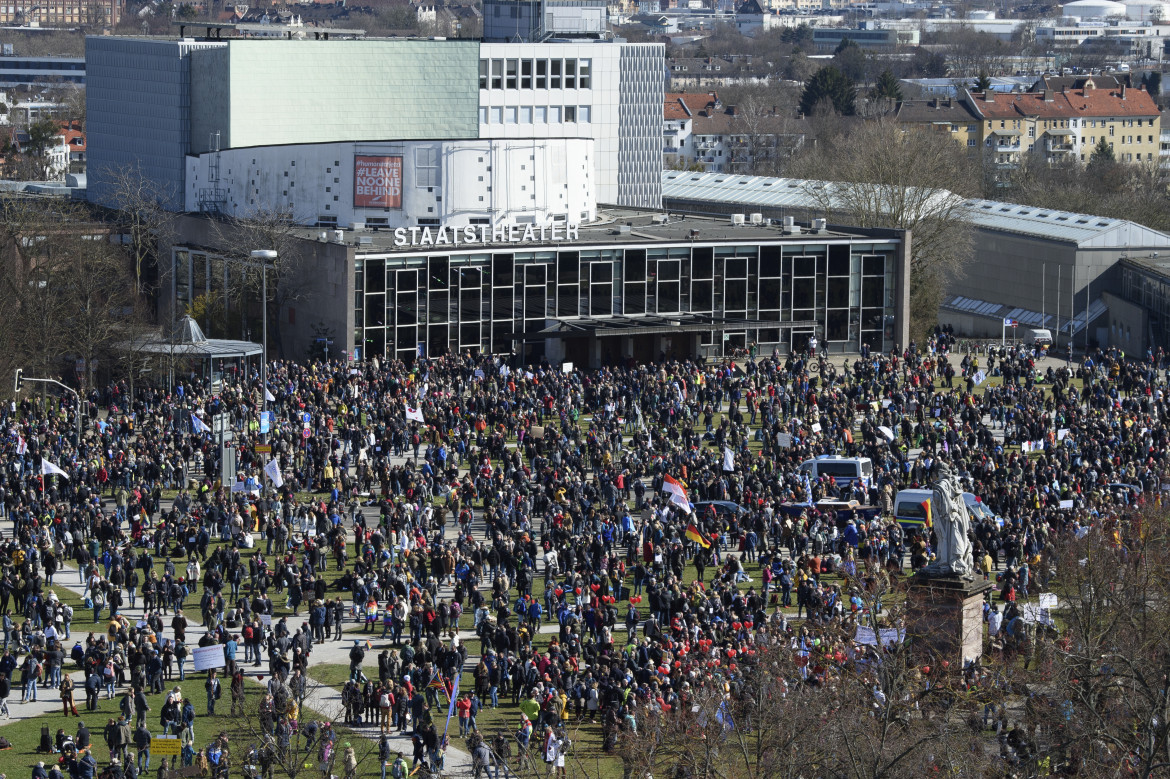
{"x":25,"y":735}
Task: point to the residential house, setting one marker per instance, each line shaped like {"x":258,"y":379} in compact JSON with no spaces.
{"x":1067,"y":124}
{"x":73,"y":138}
{"x":679,"y":112}
{"x":697,"y":73}
{"x":726,"y":140}
{"x":943,"y":115}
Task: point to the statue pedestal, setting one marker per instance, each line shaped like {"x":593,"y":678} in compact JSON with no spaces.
{"x":944,"y":618}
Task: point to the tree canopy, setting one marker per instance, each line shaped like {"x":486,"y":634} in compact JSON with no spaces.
{"x":829,"y":85}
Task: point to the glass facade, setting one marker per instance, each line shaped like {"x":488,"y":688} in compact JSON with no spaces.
{"x":1151,"y":290}
{"x":481,"y":300}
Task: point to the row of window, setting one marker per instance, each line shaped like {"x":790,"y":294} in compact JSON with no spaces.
{"x":568,"y":73}
{"x":527,"y":114}
{"x":1091,"y":123}
{"x":7,"y":64}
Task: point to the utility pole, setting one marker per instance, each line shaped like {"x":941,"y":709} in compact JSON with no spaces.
{"x":263,"y":257}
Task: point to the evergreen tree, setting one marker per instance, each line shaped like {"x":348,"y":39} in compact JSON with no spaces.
{"x":1102,"y":153}
{"x":982,"y":83}
{"x":886,"y":87}
{"x":828,"y":84}
{"x":844,"y":45}
{"x":1152,"y":83}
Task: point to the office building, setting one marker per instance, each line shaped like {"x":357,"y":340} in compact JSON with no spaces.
{"x":41,"y":71}
{"x":62,"y":13}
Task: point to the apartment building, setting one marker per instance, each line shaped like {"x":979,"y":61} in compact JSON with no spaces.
{"x":1067,"y":124}
{"x":942,"y":115}
{"x":52,"y":13}
{"x":701,"y":133}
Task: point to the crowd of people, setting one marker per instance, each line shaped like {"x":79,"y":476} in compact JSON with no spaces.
{"x":527,"y":525}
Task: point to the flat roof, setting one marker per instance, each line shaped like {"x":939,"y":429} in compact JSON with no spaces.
{"x":260,"y":27}
{"x":1085,"y":230}
{"x":1152,"y":264}
{"x":614,"y":226}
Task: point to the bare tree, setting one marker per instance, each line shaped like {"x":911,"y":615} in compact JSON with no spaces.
{"x":100,"y":306}
{"x":289,"y":279}
{"x":816,"y":705}
{"x":140,"y":207}
{"x":1102,"y":686}
{"x":887,"y":177}
{"x":275,"y":738}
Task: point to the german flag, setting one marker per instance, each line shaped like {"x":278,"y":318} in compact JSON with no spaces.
{"x":929,"y":521}
{"x":695,"y":535}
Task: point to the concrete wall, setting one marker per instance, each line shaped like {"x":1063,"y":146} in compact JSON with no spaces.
{"x":317,"y":288}
{"x":1128,"y":325}
{"x":138,"y":107}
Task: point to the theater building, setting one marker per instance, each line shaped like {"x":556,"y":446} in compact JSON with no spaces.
{"x":628,"y":285}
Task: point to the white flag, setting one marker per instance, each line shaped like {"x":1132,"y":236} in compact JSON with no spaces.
{"x":22,"y":447}
{"x":48,"y":469}
{"x":272,"y":471}
{"x":416,"y":414}
{"x":268,"y":396}
{"x":728,"y":459}
{"x":199,"y":425}
{"x":979,"y":377}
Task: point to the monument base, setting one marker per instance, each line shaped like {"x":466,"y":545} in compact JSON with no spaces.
{"x":944,"y":618}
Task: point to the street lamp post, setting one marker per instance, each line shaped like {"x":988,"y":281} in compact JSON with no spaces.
{"x":264,"y":256}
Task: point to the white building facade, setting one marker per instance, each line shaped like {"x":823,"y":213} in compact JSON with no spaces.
{"x":595,"y":90}
{"x":502,"y":182}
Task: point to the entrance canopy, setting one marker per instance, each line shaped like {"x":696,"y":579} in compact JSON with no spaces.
{"x":187,"y":340}
{"x":652,"y":324}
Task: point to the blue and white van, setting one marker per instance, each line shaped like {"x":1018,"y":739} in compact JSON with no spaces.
{"x":845,"y":470}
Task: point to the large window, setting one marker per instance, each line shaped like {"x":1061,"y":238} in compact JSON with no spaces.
{"x":634,"y":274}
{"x":426,"y":166}
{"x":668,"y":286}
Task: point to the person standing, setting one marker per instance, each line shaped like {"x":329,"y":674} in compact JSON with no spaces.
{"x":142,"y":744}
{"x":238,"y":691}
{"x":214,"y":691}
{"x":66,"y":690}
{"x":5,"y":691}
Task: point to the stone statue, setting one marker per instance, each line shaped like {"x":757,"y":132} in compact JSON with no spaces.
{"x":951,"y":523}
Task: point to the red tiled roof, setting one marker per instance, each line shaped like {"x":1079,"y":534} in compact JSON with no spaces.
{"x":1068,"y":104}
{"x":1108,"y":102}
{"x":683,"y":105}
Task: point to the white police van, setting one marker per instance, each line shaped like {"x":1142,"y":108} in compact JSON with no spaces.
{"x":845,"y":470}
